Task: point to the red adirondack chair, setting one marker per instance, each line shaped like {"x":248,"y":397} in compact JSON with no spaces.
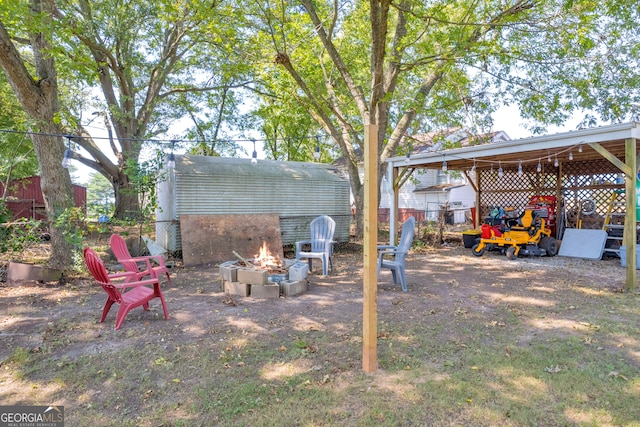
{"x":130,"y":264}
{"x":131,"y":293}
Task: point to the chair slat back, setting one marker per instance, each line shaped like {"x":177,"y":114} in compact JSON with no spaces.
{"x":99,"y":272}
{"x":120,"y":250}
{"x":406,"y":237}
{"x":322,"y":230}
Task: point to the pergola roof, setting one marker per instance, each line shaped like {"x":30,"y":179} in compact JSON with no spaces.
{"x":527,"y":150}
{"x":615,"y":143}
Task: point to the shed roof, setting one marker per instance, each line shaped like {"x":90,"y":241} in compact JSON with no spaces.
{"x":528,"y":150}
{"x":225,"y":166}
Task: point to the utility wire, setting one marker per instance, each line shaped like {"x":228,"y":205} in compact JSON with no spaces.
{"x":156,"y":140}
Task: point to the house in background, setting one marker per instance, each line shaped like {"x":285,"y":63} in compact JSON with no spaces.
{"x":24,"y":198}
{"x":429,"y":193}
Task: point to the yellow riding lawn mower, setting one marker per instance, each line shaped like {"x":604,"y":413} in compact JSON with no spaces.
{"x":526,"y":235}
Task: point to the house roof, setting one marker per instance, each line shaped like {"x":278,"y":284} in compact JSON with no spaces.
{"x":528,"y":150}
{"x":437,"y":188}
{"x":430,"y":141}
{"x":458,"y":136}
{"x":265,"y":169}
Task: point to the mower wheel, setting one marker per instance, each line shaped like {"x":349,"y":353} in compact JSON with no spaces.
{"x":476,"y":251}
{"x":550,"y":245}
{"x":511,"y":253}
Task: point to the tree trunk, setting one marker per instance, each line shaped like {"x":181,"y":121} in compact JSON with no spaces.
{"x":126,"y":199}
{"x":39,"y":97}
{"x":57,"y":191}
{"x":358,"y":195}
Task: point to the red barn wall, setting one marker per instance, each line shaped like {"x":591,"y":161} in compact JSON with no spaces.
{"x":25,"y":200}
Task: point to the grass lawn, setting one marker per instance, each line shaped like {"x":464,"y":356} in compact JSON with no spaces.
{"x":475,"y":342}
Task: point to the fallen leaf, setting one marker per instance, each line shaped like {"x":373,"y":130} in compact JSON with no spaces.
{"x":228,"y":300}
{"x":553,"y":370}
{"x":616,"y":374}
{"x":383,"y":335}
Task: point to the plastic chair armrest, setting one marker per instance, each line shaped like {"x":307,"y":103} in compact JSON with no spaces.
{"x":159,"y":259}
{"x":141,"y":259}
{"x":121,"y":275}
{"x":389,"y":252}
{"x":393,"y":252}
{"x":125,"y":285}
{"x":300,"y":243}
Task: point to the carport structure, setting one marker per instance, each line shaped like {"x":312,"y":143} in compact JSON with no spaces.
{"x":598,"y":166}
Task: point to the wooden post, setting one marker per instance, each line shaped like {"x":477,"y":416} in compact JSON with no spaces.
{"x":478,"y":198}
{"x":630,"y":169}
{"x":370,"y":276}
{"x":630,"y":220}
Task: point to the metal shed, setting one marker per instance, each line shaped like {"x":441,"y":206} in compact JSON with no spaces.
{"x":296,"y":191}
{"x":597,"y":163}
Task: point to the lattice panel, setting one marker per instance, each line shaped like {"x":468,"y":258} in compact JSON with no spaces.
{"x":588,"y":189}
{"x":512,"y":190}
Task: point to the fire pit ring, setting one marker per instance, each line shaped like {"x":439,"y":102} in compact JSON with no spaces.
{"x":278,"y":277}
{"x":290,"y":278}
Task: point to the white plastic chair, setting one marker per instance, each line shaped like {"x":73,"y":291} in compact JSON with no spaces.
{"x":322,"y":230}
{"x":397,"y":254}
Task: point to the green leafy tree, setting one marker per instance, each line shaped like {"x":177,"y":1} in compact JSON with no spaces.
{"x":100,"y":200}
{"x":152,"y":62}
{"x":30,"y":69}
{"x":412,"y":67}
{"x":17,"y":158}
{"x":289,"y":131}
{"x":215,"y":119}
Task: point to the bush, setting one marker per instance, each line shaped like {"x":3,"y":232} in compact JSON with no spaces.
{"x":18,"y":235}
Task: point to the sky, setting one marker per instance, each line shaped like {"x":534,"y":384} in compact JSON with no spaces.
{"x":506,"y":119}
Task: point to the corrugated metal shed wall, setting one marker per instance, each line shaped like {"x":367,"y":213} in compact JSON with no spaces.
{"x":296,"y":191}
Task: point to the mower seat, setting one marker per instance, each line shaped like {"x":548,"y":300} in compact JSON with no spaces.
{"x":526,"y":219}
{"x":526,"y":222}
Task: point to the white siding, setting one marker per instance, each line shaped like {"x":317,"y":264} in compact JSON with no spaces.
{"x":431,"y":201}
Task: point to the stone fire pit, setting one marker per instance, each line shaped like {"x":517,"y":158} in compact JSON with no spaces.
{"x":264,"y":282}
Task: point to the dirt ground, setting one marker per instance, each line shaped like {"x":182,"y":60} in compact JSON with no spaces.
{"x":440,"y":279}
{"x":456,"y":304}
